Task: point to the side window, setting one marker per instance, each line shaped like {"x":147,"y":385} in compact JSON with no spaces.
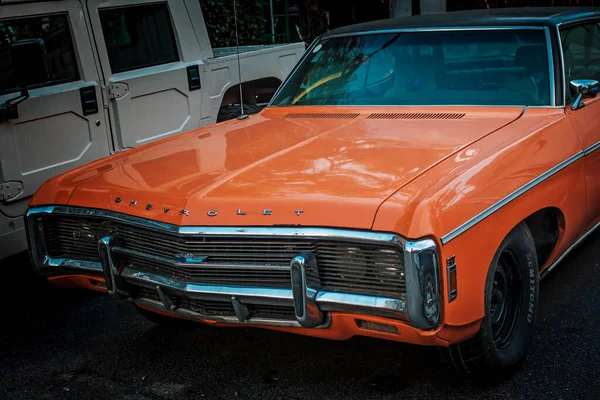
{"x":138,"y":36}
{"x":54,"y":31}
{"x":581,"y":52}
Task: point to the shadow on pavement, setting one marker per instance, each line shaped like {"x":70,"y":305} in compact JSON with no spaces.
{"x":59,"y":343}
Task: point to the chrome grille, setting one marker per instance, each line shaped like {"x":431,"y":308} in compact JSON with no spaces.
{"x":220,"y":308}
{"x":344,"y":266}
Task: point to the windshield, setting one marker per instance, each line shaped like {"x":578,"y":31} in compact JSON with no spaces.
{"x":463,"y":67}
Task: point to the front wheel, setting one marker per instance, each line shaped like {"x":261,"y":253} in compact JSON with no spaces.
{"x":511,"y":301}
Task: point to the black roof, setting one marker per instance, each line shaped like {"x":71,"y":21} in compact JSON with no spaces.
{"x":527,"y":16}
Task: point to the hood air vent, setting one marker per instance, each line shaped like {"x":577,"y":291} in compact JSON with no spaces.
{"x":323,"y":115}
{"x":416,"y":116}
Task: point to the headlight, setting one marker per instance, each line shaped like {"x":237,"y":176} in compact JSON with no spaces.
{"x":353,"y":256}
{"x":386,"y":265}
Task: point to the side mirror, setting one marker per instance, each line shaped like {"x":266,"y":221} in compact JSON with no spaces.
{"x":31,"y":65}
{"x":583,"y":88}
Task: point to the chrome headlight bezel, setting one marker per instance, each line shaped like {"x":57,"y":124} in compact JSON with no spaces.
{"x":423,"y":283}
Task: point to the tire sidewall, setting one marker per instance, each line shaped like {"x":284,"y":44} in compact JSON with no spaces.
{"x":520,"y":242}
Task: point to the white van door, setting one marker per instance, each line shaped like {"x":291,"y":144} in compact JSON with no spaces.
{"x":62,"y":124}
{"x":152,"y":67}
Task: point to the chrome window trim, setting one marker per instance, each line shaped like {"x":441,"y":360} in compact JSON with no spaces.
{"x":436,"y":29}
{"x":444,"y":29}
{"x":512,"y":196}
{"x":551,"y":77}
{"x":562,"y":60}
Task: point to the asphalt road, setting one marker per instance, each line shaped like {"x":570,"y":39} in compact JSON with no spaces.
{"x":70,"y":344}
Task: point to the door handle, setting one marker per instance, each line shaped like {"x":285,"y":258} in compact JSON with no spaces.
{"x":193,"y":74}
{"x":89,"y":102}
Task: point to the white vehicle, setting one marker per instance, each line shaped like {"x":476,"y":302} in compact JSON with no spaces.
{"x":105,"y":76}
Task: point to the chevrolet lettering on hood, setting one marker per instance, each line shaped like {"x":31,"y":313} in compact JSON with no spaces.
{"x":411,"y":180}
{"x":210,"y":213}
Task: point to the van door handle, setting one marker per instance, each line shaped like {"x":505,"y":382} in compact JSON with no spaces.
{"x":89,"y":102}
{"x":193,"y":74}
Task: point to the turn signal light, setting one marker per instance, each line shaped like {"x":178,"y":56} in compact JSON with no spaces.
{"x":452,"y":281}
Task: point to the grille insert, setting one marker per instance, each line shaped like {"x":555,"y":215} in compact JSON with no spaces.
{"x":416,"y":116}
{"x":220,"y":308}
{"x":323,"y":115}
{"x":362,"y":268}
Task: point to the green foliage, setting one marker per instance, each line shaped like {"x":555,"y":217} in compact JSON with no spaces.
{"x":219,"y":18}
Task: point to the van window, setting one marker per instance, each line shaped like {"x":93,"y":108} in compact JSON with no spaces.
{"x":54,"y":31}
{"x":138,"y":36}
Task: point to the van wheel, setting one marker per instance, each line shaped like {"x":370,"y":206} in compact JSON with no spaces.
{"x":511,"y":302}
{"x":232,"y":111}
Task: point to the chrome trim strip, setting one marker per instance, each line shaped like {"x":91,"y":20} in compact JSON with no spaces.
{"x":209,"y":291}
{"x":592,"y":149}
{"x":550,"y":53}
{"x":184,"y":312}
{"x":332,"y":300}
{"x":204,"y":265}
{"x":90,"y":266}
{"x":433,"y":29}
{"x":562,"y":60}
{"x":423,"y":283}
{"x":569,"y":250}
{"x":343,"y":301}
{"x":510,"y":197}
{"x":237,"y":231}
{"x":328,"y":301}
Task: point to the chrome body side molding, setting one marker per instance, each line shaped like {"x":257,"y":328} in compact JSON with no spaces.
{"x":572,"y":247}
{"x":510,"y":197}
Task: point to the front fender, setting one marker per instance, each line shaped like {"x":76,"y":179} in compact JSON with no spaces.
{"x":474,"y":182}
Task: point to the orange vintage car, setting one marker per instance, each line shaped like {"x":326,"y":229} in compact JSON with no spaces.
{"x":411,"y":180}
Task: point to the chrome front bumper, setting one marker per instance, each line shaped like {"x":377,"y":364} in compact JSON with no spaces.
{"x":420,"y":307}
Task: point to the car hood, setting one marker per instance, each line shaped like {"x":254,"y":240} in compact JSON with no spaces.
{"x":285,"y":166}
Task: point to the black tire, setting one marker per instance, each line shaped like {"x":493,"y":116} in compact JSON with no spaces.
{"x":232,"y":111}
{"x":511,"y":302}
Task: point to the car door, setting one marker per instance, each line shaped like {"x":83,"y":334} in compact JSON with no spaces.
{"x":61,"y":125}
{"x":581,"y":52}
{"x":152,"y":67}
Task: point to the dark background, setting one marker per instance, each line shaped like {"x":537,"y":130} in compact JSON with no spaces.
{"x":72,"y":344}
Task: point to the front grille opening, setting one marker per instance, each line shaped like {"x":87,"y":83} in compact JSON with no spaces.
{"x":220,"y":308}
{"x":361,"y":268}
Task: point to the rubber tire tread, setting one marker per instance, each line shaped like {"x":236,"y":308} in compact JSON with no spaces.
{"x":478,"y":356}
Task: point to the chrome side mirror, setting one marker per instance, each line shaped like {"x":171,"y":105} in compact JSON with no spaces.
{"x":583,"y":88}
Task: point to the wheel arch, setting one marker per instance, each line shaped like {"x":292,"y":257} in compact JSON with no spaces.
{"x":254,"y":92}
{"x":546,"y":226}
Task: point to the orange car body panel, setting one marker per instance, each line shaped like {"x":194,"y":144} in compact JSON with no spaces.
{"x":418,"y":177}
